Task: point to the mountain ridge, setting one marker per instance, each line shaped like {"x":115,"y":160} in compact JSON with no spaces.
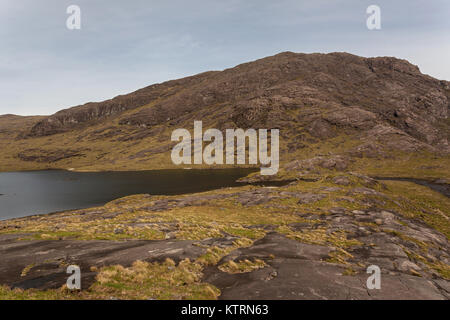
{"x":375,"y":106}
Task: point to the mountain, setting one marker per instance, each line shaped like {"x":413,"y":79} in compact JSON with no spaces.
{"x":363,"y":184}
{"x":336,"y":103}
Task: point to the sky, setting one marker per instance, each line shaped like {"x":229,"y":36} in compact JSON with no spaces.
{"x":126,"y":45}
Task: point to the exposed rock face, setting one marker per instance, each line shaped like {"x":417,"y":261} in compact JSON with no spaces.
{"x":336,"y":91}
{"x":297,"y":272}
{"x":48,"y":155}
{"x":336,"y":162}
{"x":85,"y":254}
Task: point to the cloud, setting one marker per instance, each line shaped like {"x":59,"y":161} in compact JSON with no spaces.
{"x":123,"y":46}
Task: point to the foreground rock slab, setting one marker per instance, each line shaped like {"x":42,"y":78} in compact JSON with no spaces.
{"x":43,"y":264}
{"x":295,"y":272}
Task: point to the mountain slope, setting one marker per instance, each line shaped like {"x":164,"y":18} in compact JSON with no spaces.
{"x":334,"y":103}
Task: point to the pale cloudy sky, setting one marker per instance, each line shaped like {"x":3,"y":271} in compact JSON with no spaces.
{"x":126,"y":45}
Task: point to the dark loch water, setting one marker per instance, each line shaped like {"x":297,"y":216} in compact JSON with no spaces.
{"x":36,"y":192}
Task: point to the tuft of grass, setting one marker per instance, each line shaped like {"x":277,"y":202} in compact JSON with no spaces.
{"x":161,"y":281}
{"x":243,"y":266}
{"x":214,"y":254}
{"x":27,"y":269}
